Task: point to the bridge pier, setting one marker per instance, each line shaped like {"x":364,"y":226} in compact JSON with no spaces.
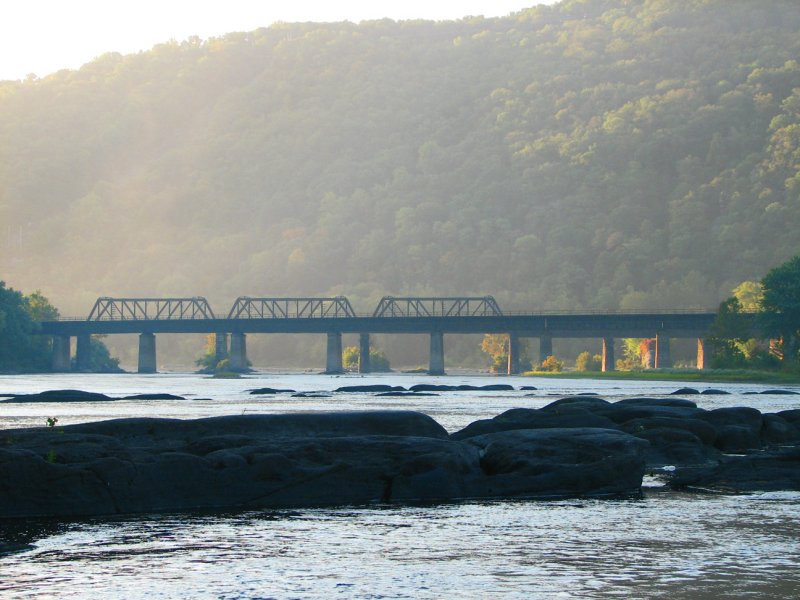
{"x":61,"y":363}
{"x":238,"y":352}
{"x":513,"y":354}
{"x":220,"y":347}
{"x":147,"y":353}
{"x":545,"y":347}
{"x":436,"y":357}
{"x":333,"y":363}
{"x":83,"y":353}
{"x":663,"y":360}
{"x":608,"y":363}
{"x":701,"y":354}
{"x":364,"y":365}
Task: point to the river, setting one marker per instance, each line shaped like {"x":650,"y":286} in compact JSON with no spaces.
{"x":666,"y":544}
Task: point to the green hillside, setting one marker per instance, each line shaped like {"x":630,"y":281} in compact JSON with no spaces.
{"x":590,"y":154}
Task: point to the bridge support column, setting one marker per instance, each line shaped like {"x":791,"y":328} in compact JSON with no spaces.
{"x":608,"y":355}
{"x":701,"y":353}
{"x":545,"y":347}
{"x":436,"y":357}
{"x":663,"y":360}
{"x":83,"y":353}
{"x":60,"y":362}
{"x":221,"y":346}
{"x":333,"y":362}
{"x":147,"y":353}
{"x":513,"y":354}
{"x":238,"y":352}
{"x":364,"y":365}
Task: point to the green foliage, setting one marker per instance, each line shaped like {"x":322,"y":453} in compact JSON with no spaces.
{"x":588,"y":362}
{"x":496,"y":346}
{"x":51,"y":421}
{"x":100,"y":359}
{"x":551,"y":364}
{"x":21,"y":349}
{"x":781,"y":306}
{"x":584,"y":155}
{"x":378,"y":361}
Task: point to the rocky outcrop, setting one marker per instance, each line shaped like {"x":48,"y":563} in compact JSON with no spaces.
{"x":262,"y":461}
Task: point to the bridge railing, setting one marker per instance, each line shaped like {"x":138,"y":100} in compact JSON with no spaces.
{"x":391,"y":306}
{"x":246,"y":307}
{"x":150,"y":309}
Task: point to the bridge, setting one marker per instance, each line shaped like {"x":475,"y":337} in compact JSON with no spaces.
{"x":334,"y":316}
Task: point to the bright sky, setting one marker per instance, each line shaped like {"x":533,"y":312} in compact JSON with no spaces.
{"x":43,"y":36}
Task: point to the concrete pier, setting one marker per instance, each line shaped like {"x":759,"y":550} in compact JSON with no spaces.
{"x":238,"y":352}
{"x":83,"y":353}
{"x":333,"y":362}
{"x":436,"y":358}
{"x":61,"y":353}
{"x":608,"y":363}
{"x":663,"y":359}
{"x":701,"y":354}
{"x":513,"y":354}
{"x":147,"y":353}
{"x":364,"y":365}
{"x":221,"y":346}
{"x":545,"y":347}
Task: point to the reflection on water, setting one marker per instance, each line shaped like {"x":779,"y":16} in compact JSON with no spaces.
{"x":665,"y":545}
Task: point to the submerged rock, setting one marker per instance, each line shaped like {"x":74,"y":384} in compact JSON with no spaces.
{"x":268,"y":391}
{"x":371,"y":388}
{"x":61,"y":396}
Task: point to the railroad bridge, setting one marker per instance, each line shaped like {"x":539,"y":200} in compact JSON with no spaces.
{"x":334,"y":316}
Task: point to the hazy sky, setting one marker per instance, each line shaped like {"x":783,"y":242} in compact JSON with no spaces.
{"x":43,"y":36}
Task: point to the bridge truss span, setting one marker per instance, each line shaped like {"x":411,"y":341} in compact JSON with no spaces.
{"x":484,"y":306}
{"x":150,"y":309}
{"x":291,"y":308}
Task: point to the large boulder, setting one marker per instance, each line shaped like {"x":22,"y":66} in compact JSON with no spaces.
{"x":560,"y":462}
{"x":738,"y":428}
{"x":528,"y":418}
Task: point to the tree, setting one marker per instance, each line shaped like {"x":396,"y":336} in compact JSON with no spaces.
{"x":496,"y":346}
{"x":21,"y":349}
{"x":588,"y":362}
{"x":378,"y":361}
{"x":780,"y":317}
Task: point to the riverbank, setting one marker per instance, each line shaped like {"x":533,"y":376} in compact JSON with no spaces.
{"x":706,"y":375}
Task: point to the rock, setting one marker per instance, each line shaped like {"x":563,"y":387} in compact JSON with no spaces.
{"x":675,"y":402}
{"x":529,"y":418}
{"x":776,"y":430}
{"x":765,"y":471}
{"x":685,"y":391}
{"x":738,"y":428}
{"x":792,"y":416}
{"x":497,"y":387}
{"x":528,"y":388}
{"x":431,"y":387}
{"x":272,"y":461}
{"x":371,"y":388}
{"x":153,"y":397}
{"x":267,"y":391}
{"x":560,"y":463}
{"x":714,"y":392}
{"x":310,"y":395}
{"x":405,"y":394}
{"x":61,"y":396}
{"x":675,"y":446}
{"x":705,"y":432}
{"x":582,"y":401}
{"x":780,"y":392}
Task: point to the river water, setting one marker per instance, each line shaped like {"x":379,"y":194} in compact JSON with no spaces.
{"x":666,"y":544}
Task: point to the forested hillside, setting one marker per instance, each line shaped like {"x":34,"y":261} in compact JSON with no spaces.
{"x":590,"y":154}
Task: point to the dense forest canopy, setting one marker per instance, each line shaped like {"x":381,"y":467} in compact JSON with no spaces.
{"x":590,"y":154}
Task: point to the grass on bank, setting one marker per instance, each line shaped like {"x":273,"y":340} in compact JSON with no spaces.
{"x":706,"y":375}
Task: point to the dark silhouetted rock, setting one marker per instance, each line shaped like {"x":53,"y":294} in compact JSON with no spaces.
{"x":780,"y":392}
{"x":765,"y":471}
{"x":61,"y":396}
{"x":431,"y":387}
{"x":529,"y":418}
{"x":560,"y":462}
{"x":675,"y":402}
{"x":588,"y":402}
{"x":371,"y":388}
{"x":714,"y":392}
{"x":412,"y":394}
{"x":153,"y":397}
{"x":738,"y":428}
{"x":528,"y":388}
{"x":685,"y":391}
{"x":792,"y":416}
{"x":268,"y":391}
{"x":776,"y":430}
{"x":497,"y":387}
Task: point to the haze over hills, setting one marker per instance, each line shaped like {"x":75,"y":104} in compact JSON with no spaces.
{"x":587,"y":155}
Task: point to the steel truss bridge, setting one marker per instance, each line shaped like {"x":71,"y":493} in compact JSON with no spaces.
{"x":335,"y":316}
